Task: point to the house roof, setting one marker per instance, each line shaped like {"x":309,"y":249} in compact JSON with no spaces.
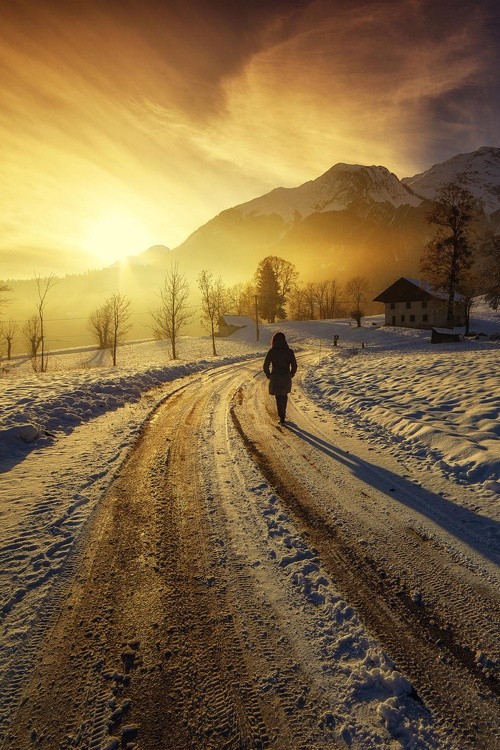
{"x":406,"y":289}
{"x":238,"y":321}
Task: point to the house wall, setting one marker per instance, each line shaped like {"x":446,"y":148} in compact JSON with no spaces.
{"x":421,"y":314}
{"x":227,"y":330}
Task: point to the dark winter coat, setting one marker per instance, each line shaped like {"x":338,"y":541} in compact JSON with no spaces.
{"x":280,"y":366}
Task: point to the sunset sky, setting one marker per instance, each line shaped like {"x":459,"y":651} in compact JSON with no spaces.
{"x":128,"y":123}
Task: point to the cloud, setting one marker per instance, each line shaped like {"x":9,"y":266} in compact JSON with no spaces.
{"x":44,"y":259}
{"x":357,"y":84}
{"x":174,"y":111}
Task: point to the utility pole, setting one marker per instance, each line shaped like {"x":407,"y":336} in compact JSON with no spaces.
{"x":256,"y":320}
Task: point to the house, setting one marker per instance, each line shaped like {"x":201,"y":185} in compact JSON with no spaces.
{"x":411,"y":303}
{"x":228,"y":324}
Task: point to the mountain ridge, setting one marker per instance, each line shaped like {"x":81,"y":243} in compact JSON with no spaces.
{"x":479,"y":171}
{"x":352,"y":219}
{"x":334,"y":191}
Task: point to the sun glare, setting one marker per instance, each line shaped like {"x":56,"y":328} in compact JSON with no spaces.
{"x":116,"y":235}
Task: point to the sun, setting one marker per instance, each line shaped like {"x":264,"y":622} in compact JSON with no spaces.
{"x":115,"y":235}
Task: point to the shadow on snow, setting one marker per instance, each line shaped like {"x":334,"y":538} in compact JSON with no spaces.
{"x":448,"y":515}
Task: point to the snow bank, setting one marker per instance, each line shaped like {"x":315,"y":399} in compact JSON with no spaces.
{"x":76,"y":423}
{"x":77,"y":389}
{"x":444,"y":406}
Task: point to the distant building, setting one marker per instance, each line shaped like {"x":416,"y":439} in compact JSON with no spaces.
{"x":228,"y":324}
{"x":411,"y":303}
{"x":444,"y":336}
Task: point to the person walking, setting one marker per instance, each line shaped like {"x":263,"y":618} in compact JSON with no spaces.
{"x":280,"y":366}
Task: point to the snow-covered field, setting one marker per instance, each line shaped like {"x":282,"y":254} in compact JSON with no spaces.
{"x":65,"y":434}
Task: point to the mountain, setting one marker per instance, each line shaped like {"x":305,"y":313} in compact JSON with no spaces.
{"x":153,"y":256}
{"x":352,"y":220}
{"x":333,"y":191}
{"x":479,"y":172}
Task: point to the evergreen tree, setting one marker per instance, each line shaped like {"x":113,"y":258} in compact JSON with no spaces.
{"x":268,"y":293}
{"x":275,"y":280}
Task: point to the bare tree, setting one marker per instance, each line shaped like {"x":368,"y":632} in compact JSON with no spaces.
{"x":44,"y":285}
{"x":320,"y":288}
{"x":173,"y":313}
{"x":8,"y":330}
{"x":4,"y":289}
{"x":298,"y":304}
{"x":119,"y":307}
{"x":212,"y":301}
{"x":32,"y":336}
{"x":449,"y":254}
{"x":315,"y":299}
{"x":490,"y":271}
{"x":310,"y":296}
{"x":240,"y":299}
{"x":469,"y":288}
{"x":286,"y":275}
{"x":357,"y":290}
{"x":234,"y":297}
{"x":99,"y":325}
{"x":330,"y":298}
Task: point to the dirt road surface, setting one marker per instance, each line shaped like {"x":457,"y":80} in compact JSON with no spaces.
{"x":247,"y":585}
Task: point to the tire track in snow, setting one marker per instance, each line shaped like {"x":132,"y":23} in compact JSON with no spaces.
{"x":444,"y":674}
{"x":174,"y":636}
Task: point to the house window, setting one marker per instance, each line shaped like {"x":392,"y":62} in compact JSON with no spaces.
{"x":424,"y":304}
{"x":393,"y":305}
{"x":408,"y":305}
{"x":412,"y":318}
{"x":393,"y":320}
{"x":402,"y":319}
{"x":425,"y":318}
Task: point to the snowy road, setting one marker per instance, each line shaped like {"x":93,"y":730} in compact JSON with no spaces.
{"x":244,"y":585}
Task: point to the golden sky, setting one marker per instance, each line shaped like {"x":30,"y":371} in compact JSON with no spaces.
{"x":129,"y":123}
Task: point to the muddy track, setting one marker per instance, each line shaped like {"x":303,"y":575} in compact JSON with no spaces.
{"x":433,"y":637}
{"x":177,"y":626}
{"x":163,"y":639}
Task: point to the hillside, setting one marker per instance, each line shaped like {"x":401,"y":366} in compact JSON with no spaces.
{"x":351,"y":220}
{"x":351,"y":217}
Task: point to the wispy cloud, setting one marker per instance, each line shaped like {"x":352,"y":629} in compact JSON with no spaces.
{"x":171,"y":112}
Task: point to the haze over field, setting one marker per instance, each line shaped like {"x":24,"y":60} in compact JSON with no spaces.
{"x":126,"y":125}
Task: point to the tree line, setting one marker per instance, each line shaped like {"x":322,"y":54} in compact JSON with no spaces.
{"x":459,"y":259}
{"x":274,"y":293}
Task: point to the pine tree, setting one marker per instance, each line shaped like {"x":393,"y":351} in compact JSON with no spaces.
{"x":268,"y":292}
{"x":275,"y":279}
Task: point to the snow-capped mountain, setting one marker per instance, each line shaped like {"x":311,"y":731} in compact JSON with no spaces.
{"x":336,"y":190}
{"x":479,"y":172}
{"x":352,"y":219}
